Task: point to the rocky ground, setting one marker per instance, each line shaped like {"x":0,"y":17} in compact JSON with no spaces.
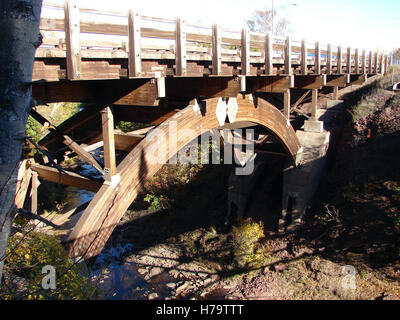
{"x":348,"y":247}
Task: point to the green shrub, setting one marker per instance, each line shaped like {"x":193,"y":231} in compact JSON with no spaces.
{"x":156,"y":202}
{"x":27,"y":255}
{"x":247,"y":250}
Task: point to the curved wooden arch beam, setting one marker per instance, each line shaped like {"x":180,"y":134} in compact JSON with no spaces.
{"x":108,"y":206}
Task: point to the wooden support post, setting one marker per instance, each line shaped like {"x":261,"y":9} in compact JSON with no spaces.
{"x":303,"y":57}
{"x":370,"y":62}
{"x":376,"y":62}
{"x":34,"y":192}
{"x":357,"y":61}
{"x":84,"y":155}
{"x":135,"y":61}
{"x":180,"y":47}
{"x":286,"y":104}
{"x":314,"y":104}
{"x":364,"y":62}
{"x":23,"y":180}
{"x":288,"y":57}
{"x":72,"y":36}
{"x":335,"y":93}
{"x":329,"y":60}
{"x":269,"y":67}
{"x":339,"y":60}
{"x":245,"y":52}
{"x":216,"y":50}
{"x":110,"y":168}
{"x":317,"y":59}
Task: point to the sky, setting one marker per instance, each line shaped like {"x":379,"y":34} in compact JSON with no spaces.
{"x":364,"y":24}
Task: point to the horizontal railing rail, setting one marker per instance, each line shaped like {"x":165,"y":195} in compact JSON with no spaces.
{"x":76,"y":33}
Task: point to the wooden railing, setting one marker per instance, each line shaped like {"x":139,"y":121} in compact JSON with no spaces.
{"x":80,"y":35}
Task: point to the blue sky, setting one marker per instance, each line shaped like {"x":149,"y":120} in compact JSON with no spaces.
{"x":364,"y":24}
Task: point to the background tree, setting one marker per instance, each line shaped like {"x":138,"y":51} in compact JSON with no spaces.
{"x":396,"y":55}
{"x":19,"y":38}
{"x":261,"y":21}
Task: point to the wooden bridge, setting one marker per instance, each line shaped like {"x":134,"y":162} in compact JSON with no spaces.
{"x":129,"y":67}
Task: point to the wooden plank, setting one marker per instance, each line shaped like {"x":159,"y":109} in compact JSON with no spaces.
{"x":137,"y":91}
{"x":216,"y":50}
{"x":84,"y":155}
{"x":317,"y":59}
{"x":72,"y":35}
{"x":269,"y":67}
{"x":303,"y":58}
{"x":123,"y":141}
{"x":376,"y":63}
{"x":358,"y":79}
{"x":245,"y":52}
{"x":339,"y":60}
{"x":23,"y":180}
{"x":39,"y":118}
{"x":329,"y":60}
{"x":110,"y":165}
{"x":269,"y":83}
{"x":180,"y":45}
{"x":348,"y":60}
{"x":197,"y":87}
{"x":68,"y":178}
{"x":357,"y":61}
{"x":134,"y":58}
{"x":288,"y":57}
{"x":309,"y":81}
{"x":337,"y":80}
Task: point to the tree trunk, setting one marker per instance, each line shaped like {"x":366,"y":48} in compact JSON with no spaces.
{"x":19,"y":38}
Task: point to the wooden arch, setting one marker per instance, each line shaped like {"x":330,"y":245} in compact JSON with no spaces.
{"x":109,"y":204}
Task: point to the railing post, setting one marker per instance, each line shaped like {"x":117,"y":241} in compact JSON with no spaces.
{"x":357,"y":61}
{"x":269,"y":67}
{"x":329,"y":59}
{"x":288,"y":57}
{"x":216,"y":50}
{"x":245,"y":52}
{"x":303,"y":57}
{"x":382,"y":67}
{"x":72,"y":38}
{"x":376,"y":62}
{"x":348,"y":60}
{"x":370,"y":63}
{"x":339,"y":60}
{"x":364,"y":62}
{"x":135,"y":61}
{"x":317,"y":61}
{"x":180,"y":46}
